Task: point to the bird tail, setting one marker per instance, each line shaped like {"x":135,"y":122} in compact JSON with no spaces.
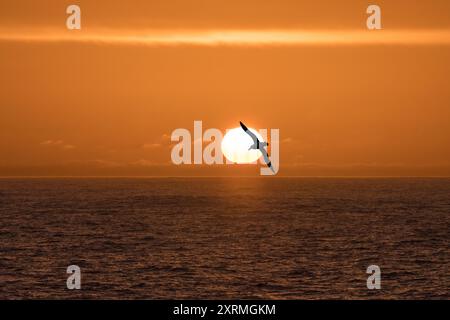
{"x":271,"y":166}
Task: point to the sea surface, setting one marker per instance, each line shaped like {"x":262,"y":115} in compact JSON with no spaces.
{"x":220,"y":238}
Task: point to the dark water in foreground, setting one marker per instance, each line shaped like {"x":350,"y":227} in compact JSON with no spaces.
{"x":225,"y":237}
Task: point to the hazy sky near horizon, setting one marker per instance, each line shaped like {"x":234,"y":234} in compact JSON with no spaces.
{"x":355,"y":107}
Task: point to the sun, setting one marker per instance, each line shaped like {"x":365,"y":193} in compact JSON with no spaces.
{"x":236,"y":144}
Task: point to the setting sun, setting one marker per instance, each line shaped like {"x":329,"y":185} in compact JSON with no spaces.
{"x":236,"y":145}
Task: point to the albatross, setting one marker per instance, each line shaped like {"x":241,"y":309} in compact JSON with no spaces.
{"x":258,"y":145}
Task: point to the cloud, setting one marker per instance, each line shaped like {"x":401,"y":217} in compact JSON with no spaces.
{"x":52,"y":142}
{"x":230,"y":37}
{"x":148,"y":163}
{"x":163,"y":141}
{"x":104,"y":163}
{"x":151,"y":145}
{"x":287,"y":140}
{"x":60,"y":144}
{"x":142,"y":163}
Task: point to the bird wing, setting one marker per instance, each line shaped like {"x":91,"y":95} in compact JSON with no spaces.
{"x":266,"y":156}
{"x":267,"y":159}
{"x":251,"y":134}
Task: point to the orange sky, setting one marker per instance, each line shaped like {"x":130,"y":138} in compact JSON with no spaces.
{"x":106,"y":107}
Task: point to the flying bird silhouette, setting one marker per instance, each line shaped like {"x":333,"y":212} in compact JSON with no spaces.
{"x":258,"y":145}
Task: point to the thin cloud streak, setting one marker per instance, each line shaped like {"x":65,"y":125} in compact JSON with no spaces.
{"x":235,"y":37}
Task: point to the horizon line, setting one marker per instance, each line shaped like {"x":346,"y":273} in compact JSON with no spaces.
{"x":219,"y":176}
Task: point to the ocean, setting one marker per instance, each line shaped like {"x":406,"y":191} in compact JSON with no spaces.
{"x":225,"y":238}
